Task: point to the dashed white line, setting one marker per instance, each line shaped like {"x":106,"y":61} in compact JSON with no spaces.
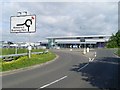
{"x":93,"y":59}
{"x":83,"y":67}
{"x":52,"y":82}
{"x":65,"y":76}
{"x":90,"y":60}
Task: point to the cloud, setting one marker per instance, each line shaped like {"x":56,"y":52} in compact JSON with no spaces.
{"x":62,"y":1}
{"x":64,"y":18}
{"x":48,"y":19}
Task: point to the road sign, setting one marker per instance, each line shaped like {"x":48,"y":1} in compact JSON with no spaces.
{"x":23,"y":24}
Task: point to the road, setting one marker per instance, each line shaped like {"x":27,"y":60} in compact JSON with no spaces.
{"x":70,"y":70}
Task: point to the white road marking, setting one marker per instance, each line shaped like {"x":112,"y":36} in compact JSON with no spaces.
{"x":90,"y":60}
{"x":53,"y":82}
{"x":83,"y":67}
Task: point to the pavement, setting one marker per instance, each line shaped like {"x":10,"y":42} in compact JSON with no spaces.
{"x":71,"y":70}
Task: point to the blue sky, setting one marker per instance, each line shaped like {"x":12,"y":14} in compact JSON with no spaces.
{"x":62,"y":19}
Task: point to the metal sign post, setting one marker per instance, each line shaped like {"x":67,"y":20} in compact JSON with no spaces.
{"x":29,"y":51}
{"x":23,"y":23}
{"x":29,"y":47}
{"x":16,"y":49}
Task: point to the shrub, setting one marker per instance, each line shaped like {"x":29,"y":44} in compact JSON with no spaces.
{"x":118,"y":52}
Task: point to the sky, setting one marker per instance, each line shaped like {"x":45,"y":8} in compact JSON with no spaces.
{"x":61,"y":19}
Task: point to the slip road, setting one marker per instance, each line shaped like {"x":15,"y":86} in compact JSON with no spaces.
{"x":70,"y":70}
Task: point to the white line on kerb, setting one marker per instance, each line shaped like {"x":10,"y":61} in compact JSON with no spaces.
{"x":83,"y":67}
{"x":53,"y":82}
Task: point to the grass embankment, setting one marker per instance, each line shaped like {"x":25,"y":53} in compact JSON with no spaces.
{"x":0,"y":64}
{"x":6,"y":51}
{"x":118,"y":52}
{"x":25,"y":61}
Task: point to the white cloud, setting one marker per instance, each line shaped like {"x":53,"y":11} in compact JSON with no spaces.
{"x":48,"y":19}
{"x":60,"y":19}
{"x":62,"y":1}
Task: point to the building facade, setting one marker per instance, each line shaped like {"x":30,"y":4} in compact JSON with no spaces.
{"x":92,"y":41}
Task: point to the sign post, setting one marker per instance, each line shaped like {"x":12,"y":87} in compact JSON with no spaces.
{"x":29,"y":49}
{"x":23,"y":24}
{"x":16,"y":47}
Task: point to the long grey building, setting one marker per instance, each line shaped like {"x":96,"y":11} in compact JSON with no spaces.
{"x":93,"y":41}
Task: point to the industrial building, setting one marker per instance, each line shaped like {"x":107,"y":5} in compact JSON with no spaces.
{"x":91,"y":41}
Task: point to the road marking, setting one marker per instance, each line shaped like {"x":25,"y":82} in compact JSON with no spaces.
{"x":83,"y":67}
{"x":90,"y":60}
{"x":52,"y":82}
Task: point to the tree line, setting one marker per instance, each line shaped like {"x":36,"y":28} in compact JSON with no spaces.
{"x":114,"y":41}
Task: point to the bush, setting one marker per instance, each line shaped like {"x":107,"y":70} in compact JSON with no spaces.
{"x":118,"y":52}
{"x":24,"y":61}
{"x":114,"y":41}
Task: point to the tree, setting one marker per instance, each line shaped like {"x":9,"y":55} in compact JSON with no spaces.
{"x":118,"y":38}
{"x":114,"y":41}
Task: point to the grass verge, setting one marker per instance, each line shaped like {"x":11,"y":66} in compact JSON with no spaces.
{"x":0,"y":64}
{"x":25,"y":61}
{"x":7,"y":51}
{"x":118,"y":52}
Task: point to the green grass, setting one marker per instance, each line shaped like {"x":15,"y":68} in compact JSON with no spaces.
{"x":25,"y":61}
{"x":118,"y":52}
{"x":6,"y":51}
{"x":0,"y":64}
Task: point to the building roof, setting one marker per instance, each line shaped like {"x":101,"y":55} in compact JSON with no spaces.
{"x":79,"y":37}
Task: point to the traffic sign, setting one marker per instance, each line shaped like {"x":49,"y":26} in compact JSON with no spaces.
{"x":23,"y":24}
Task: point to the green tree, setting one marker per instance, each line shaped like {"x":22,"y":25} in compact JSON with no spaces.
{"x":118,"y":38}
{"x":114,"y":41}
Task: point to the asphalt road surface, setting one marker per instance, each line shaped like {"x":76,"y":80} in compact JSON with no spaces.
{"x":70,"y":70}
